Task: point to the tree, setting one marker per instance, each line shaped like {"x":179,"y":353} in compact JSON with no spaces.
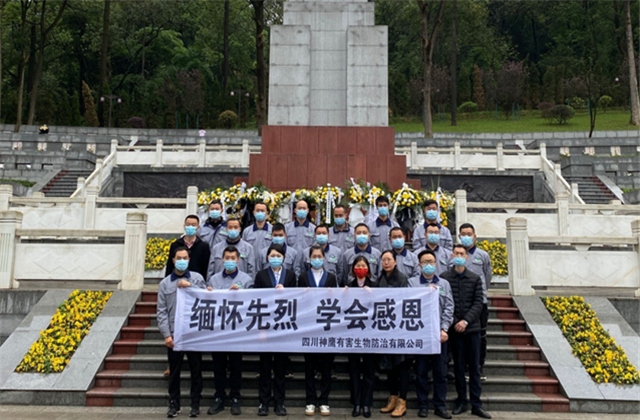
{"x":549,"y":85}
{"x":90,"y":116}
{"x":633,"y":81}
{"x":478,"y":90}
{"x":192,"y":95}
{"x":104,"y":52}
{"x":511,"y":80}
{"x":559,"y":88}
{"x":225,"y":50}
{"x":454,"y":64}
{"x":429,"y":34}
{"x":261,"y":66}
{"x":534,"y":85}
{"x":25,"y":5}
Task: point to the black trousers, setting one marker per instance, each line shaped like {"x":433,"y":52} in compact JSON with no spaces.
{"x":361,"y":387}
{"x":277,"y":363}
{"x":398,"y":378}
{"x":317,"y":362}
{"x":484,"y":320}
{"x":436,"y":362}
{"x":175,"y":366}
{"x":220,"y":363}
{"x":466,"y":352}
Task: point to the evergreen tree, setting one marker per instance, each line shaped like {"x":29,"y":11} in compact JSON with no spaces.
{"x":90,"y":115}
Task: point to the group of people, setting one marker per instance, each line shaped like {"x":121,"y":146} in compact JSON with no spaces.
{"x":219,"y":255}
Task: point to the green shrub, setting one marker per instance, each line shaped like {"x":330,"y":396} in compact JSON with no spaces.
{"x":604,"y":102}
{"x":561,"y":113}
{"x":544,"y":108}
{"x":578,"y":103}
{"x":228,"y":119}
{"x":468,"y":107}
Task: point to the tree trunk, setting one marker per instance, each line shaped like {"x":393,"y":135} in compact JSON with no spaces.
{"x":633,"y":81}
{"x":225,"y":52}
{"x":104,"y":50}
{"x":31,"y":63}
{"x":428,"y":42}
{"x":24,"y":59}
{"x":454,"y":65}
{"x":261,"y":100}
{"x":144,"y":33}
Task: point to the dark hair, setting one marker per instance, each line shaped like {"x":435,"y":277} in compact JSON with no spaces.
{"x":435,"y":225}
{"x":459,"y":246}
{"x":426,"y":252}
{"x":356,"y":261}
{"x":340,"y":206}
{"x":467,"y":226}
{"x":395,"y":228}
{"x":231,"y":250}
{"x":277,"y":227}
{"x":315,"y":248}
{"x":275,"y":247}
{"x":429,"y":202}
{"x":260,"y":203}
{"x":181,"y":248}
{"x":321,"y":227}
{"x":388,"y":251}
{"x":361,"y":225}
{"x":192,"y":216}
{"x":215,"y":202}
{"x":234,"y":219}
{"x":382,"y":199}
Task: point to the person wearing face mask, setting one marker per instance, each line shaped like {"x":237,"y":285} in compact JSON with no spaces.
{"x":228,"y":279}
{"x":361,"y":387}
{"x":181,"y":277}
{"x":480,"y":263}
{"x":431,"y":213}
{"x":274,"y":277}
{"x":300,"y":232}
{"x":247,"y":260}
{"x":342,"y":235}
{"x":443,"y":256}
{"x":317,"y":276}
{"x":464,"y":333}
{"x":381,"y":227}
{"x":292,"y":257}
{"x":435,"y":362}
{"x":199,"y":250}
{"x":214,"y":229}
{"x":258,"y":235}
{"x":362,"y":247}
{"x":332,"y":254}
{"x":407,"y":262}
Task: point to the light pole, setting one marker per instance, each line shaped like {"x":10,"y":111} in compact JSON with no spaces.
{"x":246,"y":94}
{"x":111,"y":98}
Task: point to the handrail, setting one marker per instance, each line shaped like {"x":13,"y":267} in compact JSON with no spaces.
{"x":632,"y":208}
{"x":512,"y":206}
{"x":70,"y":233}
{"x":141,"y":200}
{"x":584,"y":240}
{"x":26,"y":201}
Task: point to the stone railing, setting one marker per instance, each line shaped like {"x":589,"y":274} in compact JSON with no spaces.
{"x":562,"y":218}
{"x":72,"y":255}
{"x":571,"y":261}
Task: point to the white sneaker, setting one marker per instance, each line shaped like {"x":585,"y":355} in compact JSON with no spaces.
{"x":324,"y":410}
{"x":310,"y":410}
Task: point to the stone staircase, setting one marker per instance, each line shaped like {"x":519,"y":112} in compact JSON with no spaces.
{"x":591,"y":189}
{"x":65,"y":183}
{"x":518,"y":378}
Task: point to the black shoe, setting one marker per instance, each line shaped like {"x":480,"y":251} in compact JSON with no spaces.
{"x":235,"y":407}
{"x":423,"y":412}
{"x":460,"y":408}
{"x":366,"y":411}
{"x":218,"y":406}
{"x":195,"y":412}
{"x":479,"y":411}
{"x":442,"y":413}
{"x":280,"y":410}
{"x":356,"y":411}
{"x":173,"y":411}
{"x":263,"y":410}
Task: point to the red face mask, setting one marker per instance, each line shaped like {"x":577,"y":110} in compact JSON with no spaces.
{"x":361,"y":272}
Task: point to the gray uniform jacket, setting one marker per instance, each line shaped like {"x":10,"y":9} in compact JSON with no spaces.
{"x":407,"y":263}
{"x":166,"y":309}
{"x":258,"y":238}
{"x":372,"y":255}
{"x":343,"y":239}
{"x":379,"y":231}
{"x":332,"y":261}
{"x":246,"y":263}
{"x":479,"y":262}
{"x":223,"y":281}
{"x":213,"y":235}
{"x":420,"y":241}
{"x":300,"y":236}
{"x":445,"y":295}
{"x":443,"y":258}
{"x":291,"y":260}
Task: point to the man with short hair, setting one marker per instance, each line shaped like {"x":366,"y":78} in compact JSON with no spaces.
{"x":379,"y":229}
{"x":431,"y":213}
{"x":258,"y":235}
{"x":229,"y":279}
{"x":342,"y":235}
{"x":406,"y":262}
{"x":198,"y":249}
{"x":247,"y":260}
{"x":181,"y":277}
{"x":213,"y":231}
{"x":292,"y":257}
{"x":332,"y":254}
{"x":362,"y":247}
{"x":443,"y":256}
{"x":300,"y":232}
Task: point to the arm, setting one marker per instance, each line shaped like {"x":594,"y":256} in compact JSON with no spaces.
{"x":474,"y":312}
{"x":488,"y":271}
{"x":446,"y":317}
{"x":251,"y":263}
{"x":415,"y":238}
{"x":163,"y":313}
{"x":172,"y":251}
{"x":206,"y":256}
{"x":446,"y":239}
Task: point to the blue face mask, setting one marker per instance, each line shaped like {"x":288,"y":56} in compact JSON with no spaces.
{"x":322,"y":239}
{"x":362,"y":239}
{"x":466,"y":241}
{"x":230,"y":265}
{"x":190,"y":230}
{"x":432,"y":214}
{"x":275,"y":262}
{"x":182,"y":265}
{"x":428,"y":269}
{"x":260,"y":216}
{"x":383,"y":211}
{"x":317,"y":263}
{"x":301,"y":214}
{"x":459,"y":261}
{"x":397,"y":243}
{"x":233,"y":234}
{"x":339,"y":221}
{"x":215,"y":214}
{"x":433,"y":238}
{"x":277,"y":240}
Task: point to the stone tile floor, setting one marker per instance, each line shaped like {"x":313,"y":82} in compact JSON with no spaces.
{"x":12,"y":412}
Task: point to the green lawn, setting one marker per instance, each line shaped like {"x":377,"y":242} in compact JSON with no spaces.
{"x":486,"y":123}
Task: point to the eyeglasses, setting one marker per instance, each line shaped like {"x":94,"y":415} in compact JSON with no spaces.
{"x":387,"y":260}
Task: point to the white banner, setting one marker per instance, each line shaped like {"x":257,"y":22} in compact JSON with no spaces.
{"x":309,"y":320}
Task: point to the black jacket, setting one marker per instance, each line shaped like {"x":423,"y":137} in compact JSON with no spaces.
{"x":198,"y":256}
{"x":263,"y":280}
{"x":395,"y":279}
{"x":467,"y":298}
{"x":367,"y":282}
{"x":303,"y":280}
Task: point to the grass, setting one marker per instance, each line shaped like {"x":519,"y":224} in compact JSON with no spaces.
{"x":22,"y":182}
{"x":530,"y":122}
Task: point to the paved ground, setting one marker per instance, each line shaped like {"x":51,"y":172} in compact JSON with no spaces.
{"x":124,"y":413}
